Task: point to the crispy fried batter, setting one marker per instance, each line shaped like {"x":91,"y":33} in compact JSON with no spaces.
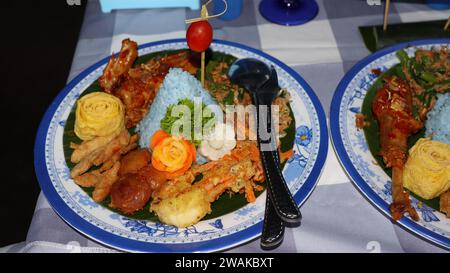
{"x":445,"y":203}
{"x":237,"y":172}
{"x":102,"y":181}
{"x":87,"y":147}
{"x":108,"y":153}
{"x":108,"y":178}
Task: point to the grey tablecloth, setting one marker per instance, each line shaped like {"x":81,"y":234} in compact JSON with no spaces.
{"x":336,"y":217}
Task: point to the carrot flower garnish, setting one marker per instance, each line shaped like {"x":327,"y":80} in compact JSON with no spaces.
{"x":172,"y":155}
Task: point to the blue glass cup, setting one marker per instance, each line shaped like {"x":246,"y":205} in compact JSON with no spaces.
{"x":289,"y":12}
{"x":438,"y":4}
{"x":234,"y":9}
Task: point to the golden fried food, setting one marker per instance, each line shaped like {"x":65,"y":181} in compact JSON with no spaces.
{"x":181,"y":203}
{"x":102,"y":181}
{"x":109,"y":153}
{"x":87,"y":147}
{"x":185,"y":209}
{"x":134,"y":161}
{"x":103,"y":188}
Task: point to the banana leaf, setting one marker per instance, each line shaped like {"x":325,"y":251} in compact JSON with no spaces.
{"x":375,"y":38}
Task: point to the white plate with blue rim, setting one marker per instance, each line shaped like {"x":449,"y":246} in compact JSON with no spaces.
{"x":76,"y":208}
{"x":353,"y":151}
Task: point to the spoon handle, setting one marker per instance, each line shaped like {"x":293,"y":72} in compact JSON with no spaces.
{"x":273,"y":227}
{"x":279,"y":193}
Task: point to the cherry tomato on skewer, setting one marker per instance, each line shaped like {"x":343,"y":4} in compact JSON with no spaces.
{"x":199,"y":35}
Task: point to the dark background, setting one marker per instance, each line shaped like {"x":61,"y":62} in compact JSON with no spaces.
{"x":38,"y":40}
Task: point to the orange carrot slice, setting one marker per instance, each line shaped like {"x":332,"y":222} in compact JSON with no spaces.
{"x":158,"y":137}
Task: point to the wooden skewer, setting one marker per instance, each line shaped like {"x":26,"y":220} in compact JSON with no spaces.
{"x":203,"y":69}
{"x":447,"y":24}
{"x":386,"y":14}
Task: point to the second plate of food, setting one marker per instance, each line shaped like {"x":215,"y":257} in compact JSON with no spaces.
{"x":389,"y":127}
{"x":94,"y":165}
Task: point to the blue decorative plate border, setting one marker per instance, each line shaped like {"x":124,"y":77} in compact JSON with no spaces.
{"x":337,"y":129}
{"x":216,"y":244}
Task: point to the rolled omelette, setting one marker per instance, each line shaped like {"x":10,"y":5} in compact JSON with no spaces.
{"x":99,"y":114}
{"x":427,"y":170}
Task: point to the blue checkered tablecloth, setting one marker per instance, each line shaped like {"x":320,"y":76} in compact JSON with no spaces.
{"x":336,"y":218}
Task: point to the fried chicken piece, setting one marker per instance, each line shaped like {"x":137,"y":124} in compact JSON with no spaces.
{"x":444,"y":203}
{"x":116,"y":69}
{"x":392,"y":107}
{"x":137,"y":87}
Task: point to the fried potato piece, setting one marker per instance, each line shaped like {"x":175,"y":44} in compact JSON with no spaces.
{"x":184,"y":210}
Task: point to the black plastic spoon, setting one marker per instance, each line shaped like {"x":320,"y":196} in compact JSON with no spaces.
{"x":262,"y":82}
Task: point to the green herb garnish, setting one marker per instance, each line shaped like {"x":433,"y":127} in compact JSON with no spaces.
{"x":174,"y":121}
